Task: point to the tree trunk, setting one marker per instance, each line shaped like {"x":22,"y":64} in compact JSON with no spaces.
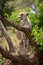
{"x":4,"y":32}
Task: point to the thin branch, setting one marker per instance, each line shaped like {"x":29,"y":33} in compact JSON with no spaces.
{"x":4,"y":9}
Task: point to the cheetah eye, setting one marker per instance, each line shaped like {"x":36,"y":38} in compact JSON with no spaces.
{"x":19,"y":16}
{"x":22,"y":15}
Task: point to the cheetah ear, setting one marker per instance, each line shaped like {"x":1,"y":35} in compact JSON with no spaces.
{"x":27,"y":14}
